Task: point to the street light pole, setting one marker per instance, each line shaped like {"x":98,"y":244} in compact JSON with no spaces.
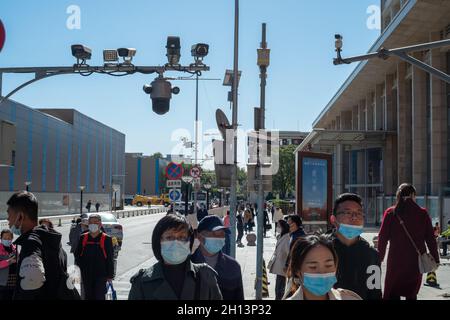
{"x":263,"y":63}
{"x":196,"y":139}
{"x":27,"y":186}
{"x":233,"y":188}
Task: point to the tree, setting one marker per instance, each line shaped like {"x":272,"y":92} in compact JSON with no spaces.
{"x":284,"y":181}
{"x":157,"y":155}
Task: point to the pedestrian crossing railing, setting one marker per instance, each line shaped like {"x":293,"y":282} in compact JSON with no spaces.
{"x":120,"y":214}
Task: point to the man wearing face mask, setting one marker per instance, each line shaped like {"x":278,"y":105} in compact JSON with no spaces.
{"x":41,"y":261}
{"x":211,"y":233}
{"x":359,"y":265}
{"x":94,"y":255}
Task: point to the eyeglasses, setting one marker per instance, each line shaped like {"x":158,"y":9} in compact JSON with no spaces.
{"x":352,"y":214}
{"x":173,"y":238}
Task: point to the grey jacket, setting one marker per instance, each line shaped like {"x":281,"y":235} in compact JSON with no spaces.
{"x":150,"y":284}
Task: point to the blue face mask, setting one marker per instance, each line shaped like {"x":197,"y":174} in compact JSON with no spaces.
{"x":214,"y":245}
{"x":16,"y":230}
{"x":319,"y":284}
{"x":175,"y":252}
{"x":7,"y":243}
{"x":350,"y":231}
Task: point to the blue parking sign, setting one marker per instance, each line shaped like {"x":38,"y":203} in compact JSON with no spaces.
{"x":175,"y":195}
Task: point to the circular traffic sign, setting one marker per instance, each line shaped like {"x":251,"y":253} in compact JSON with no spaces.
{"x":187,"y":179}
{"x":196,"y":172}
{"x":174,"y":195}
{"x":174,"y":171}
{"x":2,"y":35}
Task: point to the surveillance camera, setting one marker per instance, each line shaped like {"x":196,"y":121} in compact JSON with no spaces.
{"x":173,"y":50}
{"x":338,"y":43}
{"x":200,"y":50}
{"x":337,"y":36}
{"x":126,"y":52}
{"x":81,"y":52}
{"x":160,"y":92}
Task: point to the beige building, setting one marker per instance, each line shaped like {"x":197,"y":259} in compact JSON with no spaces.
{"x":388,"y":123}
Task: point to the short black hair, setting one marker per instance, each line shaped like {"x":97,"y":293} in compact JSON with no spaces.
{"x":295,"y":219}
{"x":346,"y":197}
{"x":6,"y":231}
{"x":171,"y":221}
{"x":25,"y":202}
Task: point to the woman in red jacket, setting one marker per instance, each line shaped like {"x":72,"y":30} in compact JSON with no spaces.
{"x":403,"y":278}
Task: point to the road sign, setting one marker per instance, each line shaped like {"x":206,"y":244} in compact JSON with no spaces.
{"x":174,"y":171}
{"x":2,"y":35}
{"x":173,"y":184}
{"x":187,"y":179}
{"x":175,"y":195}
{"x":196,"y":172}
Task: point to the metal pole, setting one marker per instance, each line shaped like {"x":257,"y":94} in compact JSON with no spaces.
{"x":81,"y":202}
{"x":260,"y":230}
{"x":186,"y":200}
{"x":234,"y":125}
{"x":196,"y":139}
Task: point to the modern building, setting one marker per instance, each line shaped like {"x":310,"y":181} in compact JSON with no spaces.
{"x":291,"y":137}
{"x":388,"y":123}
{"x":55,"y":152}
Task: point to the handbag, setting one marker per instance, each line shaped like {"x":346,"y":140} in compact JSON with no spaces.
{"x":426,"y":261}
{"x":110,"y":292}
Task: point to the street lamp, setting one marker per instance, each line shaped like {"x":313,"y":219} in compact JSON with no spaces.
{"x":27,"y":185}
{"x":115,"y":189}
{"x":81,"y":199}
{"x":188,"y":180}
{"x":207,"y":187}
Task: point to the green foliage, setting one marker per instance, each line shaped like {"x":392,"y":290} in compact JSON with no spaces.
{"x":284,"y":181}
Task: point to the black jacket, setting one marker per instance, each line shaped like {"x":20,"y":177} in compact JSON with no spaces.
{"x":353,"y":270}
{"x":41,"y":265}
{"x":229,"y":275}
{"x":92,"y":261}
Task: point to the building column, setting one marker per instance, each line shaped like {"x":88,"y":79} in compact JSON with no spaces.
{"x":338,"y":123}
{"x":419,"y":130}
{"x":339,"y":167}
{"x":355,"y":123}
{"x":379,"y":105}
{"x":438,"y":124}
{"x":362,"y":115}
{"x":346,"y":120}
{"x":404,"y":130}
{"x":370,"y":107}
{"x":391,"y":104}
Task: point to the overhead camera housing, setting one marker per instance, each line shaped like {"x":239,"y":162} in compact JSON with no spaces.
{"x":173,"y":50}
{"x":81,"y":52}
{"x":110,"y":55}
{"x":338,"y":43}
{"x":127,"y":54}
{"x":200,"y":50}
{"x":160,"y":91}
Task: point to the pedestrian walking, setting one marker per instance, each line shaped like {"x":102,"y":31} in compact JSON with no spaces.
{"x":295,"y":228}
{"x":407,"y":227}
{"x":95,"y":258}
{"x":8,"y":265}
{"x":211,"y":234}
{"x":47,"y":223}
{"x":88,"y":206}
{"x":357,"y":259}
{"x":277,"y":263}
{"x":247,"y":220}
{"x":226,"y":223}
{"x":203,"y":212}
{"x":240,"y":228}
{"x":312,"y":269}
{"x":278,"y":215}
{"x":41,"y":261}
{"x":174,"y":276}
{"x":267,"y":225}
{"x":97,"y":207}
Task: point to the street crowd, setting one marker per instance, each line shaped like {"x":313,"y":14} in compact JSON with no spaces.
{"x":194,"y":262}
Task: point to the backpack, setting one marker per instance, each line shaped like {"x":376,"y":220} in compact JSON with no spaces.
{"x":85,"y":242}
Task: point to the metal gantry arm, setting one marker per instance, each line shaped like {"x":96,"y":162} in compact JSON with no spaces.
{"x":86,"y":70}
{"x":401,"y":53}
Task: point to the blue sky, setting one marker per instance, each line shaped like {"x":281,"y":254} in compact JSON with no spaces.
{"x":301,"y":77}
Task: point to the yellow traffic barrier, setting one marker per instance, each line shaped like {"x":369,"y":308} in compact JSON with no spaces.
{"x":432,"y":280}
{"x":265,"y":282}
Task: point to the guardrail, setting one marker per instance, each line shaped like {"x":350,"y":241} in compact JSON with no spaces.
{"x":59,"y":220}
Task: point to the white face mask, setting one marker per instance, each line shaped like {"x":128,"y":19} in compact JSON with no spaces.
{"x":93,"y":228}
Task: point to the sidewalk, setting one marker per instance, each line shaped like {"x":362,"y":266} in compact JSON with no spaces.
{"x":246,"y":256}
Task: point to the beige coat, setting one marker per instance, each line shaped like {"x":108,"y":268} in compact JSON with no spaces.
{"x":334,"y":294}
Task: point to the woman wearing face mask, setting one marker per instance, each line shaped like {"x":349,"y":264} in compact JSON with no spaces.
{"x":174,"y":276}
{"x":277,"y":264}
{"x":312,"y":268}
{"x":8,"y":265}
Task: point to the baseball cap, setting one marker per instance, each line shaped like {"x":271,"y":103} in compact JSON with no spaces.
{"x":211,"y":223}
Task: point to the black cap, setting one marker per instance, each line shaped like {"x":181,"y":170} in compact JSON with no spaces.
{"x":211,"y":223}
